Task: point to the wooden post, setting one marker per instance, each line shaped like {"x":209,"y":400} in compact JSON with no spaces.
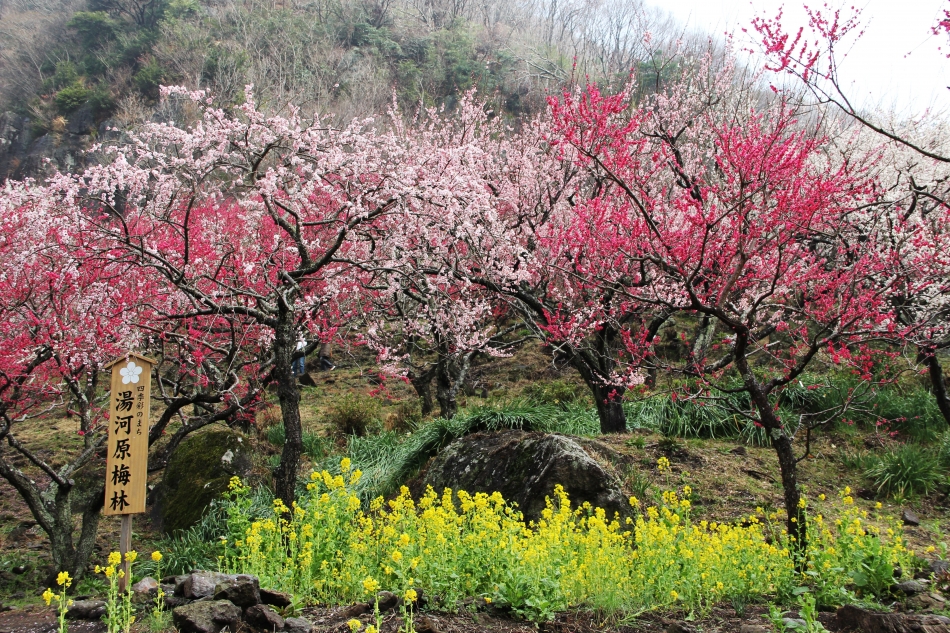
{"x":125,"y":544}
{"x":127,"y":447}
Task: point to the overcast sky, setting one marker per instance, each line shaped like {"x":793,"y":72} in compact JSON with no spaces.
{"x":896,"y":62}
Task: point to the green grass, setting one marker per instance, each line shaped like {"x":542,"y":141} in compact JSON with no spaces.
{"x":907,"y":471}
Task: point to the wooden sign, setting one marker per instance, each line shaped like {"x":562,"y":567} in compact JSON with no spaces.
{"x":127,"y":457}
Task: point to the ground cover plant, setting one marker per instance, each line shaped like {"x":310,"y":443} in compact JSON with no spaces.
{"x":454,"y":545}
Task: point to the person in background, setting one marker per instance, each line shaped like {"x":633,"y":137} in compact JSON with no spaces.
{"x":299,"y":366}
{"x":325,"y":354}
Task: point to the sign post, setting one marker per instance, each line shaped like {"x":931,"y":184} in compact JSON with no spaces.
{"x":127,"y":456}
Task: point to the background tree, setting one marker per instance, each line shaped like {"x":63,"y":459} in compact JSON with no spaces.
{"x":740,"y":221}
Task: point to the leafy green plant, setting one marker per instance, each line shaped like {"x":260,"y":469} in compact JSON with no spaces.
{"x":906,"y":471}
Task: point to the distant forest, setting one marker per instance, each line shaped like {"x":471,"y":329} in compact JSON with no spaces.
{"x":341,"y":57}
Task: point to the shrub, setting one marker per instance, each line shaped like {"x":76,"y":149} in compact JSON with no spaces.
{"x":353,"y":415}
{"x":906,"y":471}
{"x":71,"y":97}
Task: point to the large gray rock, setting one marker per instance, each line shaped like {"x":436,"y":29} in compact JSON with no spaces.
{"x":524,"y":468}
{"x":207,"y":617}
{"x":199,"y":584}
{"x":198,"y":472}
{"x":241,"y":589}
{"x":86,"y":610}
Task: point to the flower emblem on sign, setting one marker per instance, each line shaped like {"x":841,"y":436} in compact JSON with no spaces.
{"x":130,"y":373}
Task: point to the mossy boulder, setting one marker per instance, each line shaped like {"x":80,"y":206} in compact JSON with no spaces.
{"x":198,"y":472}
{"x":525,"y":467}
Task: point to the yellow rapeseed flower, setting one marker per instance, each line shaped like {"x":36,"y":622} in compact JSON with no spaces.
{"x":63,"y":579}
{"x":354,"y":624}
{"x":156,"y":556}
{"x":410,"y":595}
{"x":48,"y":596}
{"x":115,"y":558}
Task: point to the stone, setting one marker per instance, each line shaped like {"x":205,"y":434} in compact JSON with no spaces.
{"x":356,"y":610}
{"x":795,"y":624}
{"x":147,"y":585}
{"x":754,"y":628}
{"x":197,"y":473}
{"x":307,"y":380}
{"x":525,"y":467}
{"x":938,"y":567}
{"x":679,"y":627}
{"x":199,"y":584}
{"x":263,"y":617}
{"x":908,"y":587}
{"x":86,"y":610}
{"x":208,"y":616}
{"x":852,"y":618}
{"x":242,"y":589}
{"x":297,"y":625}
{"x":739,"y":450}
{"x":81,"y":122}
{"x":386,"y":601}
{"x":426,"y":624}
{"x":910,"y":518}
{"x":276,"y":598}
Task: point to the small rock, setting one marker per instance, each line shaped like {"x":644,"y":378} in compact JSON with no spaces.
{"x":739,"y":450}
{"x":207,"y":617}
{"x":795,"y":623}
{"x":910,"y":518}
{"x":356,"y":610}
{"x":19,"y":569}
{"x":147,"y":585}
{"x":386,"y":601}
{"x":938,"y":567}
{"x":754,"y":628}
{"x":86,"y":610}
{"x":172,"y":601}
{"x":850,"y":617}
{"x":297,"y":625}
{"x":425,"y":624}
{"x":263,"y":617}
{"x":276,"y":598}
{"x":908,"y":587}
{"x":678,"y":627}
{"x":242,"y":589}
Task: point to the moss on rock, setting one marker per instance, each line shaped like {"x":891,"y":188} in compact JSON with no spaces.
{"x":197,"y":473}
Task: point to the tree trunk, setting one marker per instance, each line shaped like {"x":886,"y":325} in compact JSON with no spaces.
{"x":610,"y":411}
{"x":782,"y":443}
{"x":288,"y":395}
{"x":937,"y":384}
{"x":449,"y":377}
{"x":422,"y":383}
{"x":794,"y":513}
{"x":607,"y":398}
{"x":67,"y":554}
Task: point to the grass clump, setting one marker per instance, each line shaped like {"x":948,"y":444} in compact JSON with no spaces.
{"x":906,"y":471}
